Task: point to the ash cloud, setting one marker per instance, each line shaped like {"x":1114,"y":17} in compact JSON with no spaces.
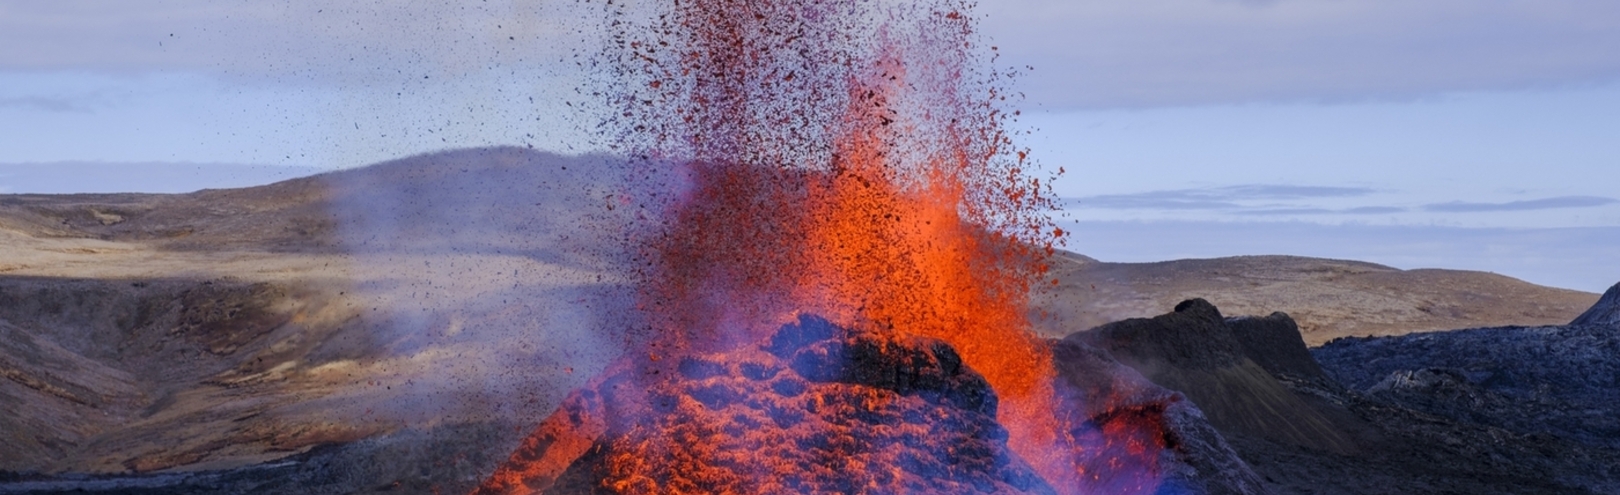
{"x":492,"y":263}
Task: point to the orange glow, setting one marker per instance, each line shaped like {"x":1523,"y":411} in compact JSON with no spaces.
{"x":904,"y":207}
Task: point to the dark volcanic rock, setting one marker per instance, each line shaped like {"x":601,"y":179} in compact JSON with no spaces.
{"x":1478,"y":411}
{"x":1192,"y":337}
{"x":1563,"y":381}
{"x":1515,"y":405}
{"x":1195,"y":460}
{"x":1605,"y":312}
{"x":1274,"y":343}
{"x":817,"y":409}
{"x":822,"y":352}
{"x":1196,"y":351}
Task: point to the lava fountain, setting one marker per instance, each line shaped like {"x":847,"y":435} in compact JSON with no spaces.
{"x":846,"y":159}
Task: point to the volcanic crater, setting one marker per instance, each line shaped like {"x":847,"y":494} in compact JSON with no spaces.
{"x":818,"y":408}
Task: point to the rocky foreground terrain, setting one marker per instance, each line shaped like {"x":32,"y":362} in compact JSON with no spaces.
{"x":1562,"y":381}
{"x":1496,"y":410}
{"x":815,"y":409}
{"x":401,"y":327}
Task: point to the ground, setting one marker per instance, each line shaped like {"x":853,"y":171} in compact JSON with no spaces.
{"x":227,"y":328}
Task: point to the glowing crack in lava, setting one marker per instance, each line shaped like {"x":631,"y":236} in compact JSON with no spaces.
{"x":839,"y":158}
{"x":815,"y":409}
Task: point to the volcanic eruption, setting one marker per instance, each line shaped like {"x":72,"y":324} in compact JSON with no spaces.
{"x":836,"y":282}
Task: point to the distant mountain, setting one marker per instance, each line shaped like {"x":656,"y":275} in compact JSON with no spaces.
{"x":516,"y":199}
{"x":1329,"y":298}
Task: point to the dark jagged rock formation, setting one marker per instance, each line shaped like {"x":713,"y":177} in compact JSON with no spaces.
{"x":1535,"y":400}
{"x":1561,"y":381}
{"x":1605,"y":312}
{"x":1409,"y":422}
{"x":817,"y":409}
{"x":1274,"y":343}
{"x":1196,"y":460}
{"x":1197,"y":352}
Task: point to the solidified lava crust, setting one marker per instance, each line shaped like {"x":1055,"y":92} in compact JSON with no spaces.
{"x":816,"y":408}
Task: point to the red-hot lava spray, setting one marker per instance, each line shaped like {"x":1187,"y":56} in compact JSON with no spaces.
{"x":848,"y":159}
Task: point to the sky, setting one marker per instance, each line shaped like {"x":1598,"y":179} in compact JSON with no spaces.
{"x":1466,"y":134}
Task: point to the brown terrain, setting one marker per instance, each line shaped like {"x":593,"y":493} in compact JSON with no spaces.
{"x":1329,"y":298}
{"x":224,"y":328}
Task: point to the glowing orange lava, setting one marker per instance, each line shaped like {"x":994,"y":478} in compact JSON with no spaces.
{"x":844,"y":159}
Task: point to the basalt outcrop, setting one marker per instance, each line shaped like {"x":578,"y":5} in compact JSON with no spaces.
{"x":1504,"y":410}
{"x":1605,"y":313}
{"x":1236,"y":370}
{"x":1557,"y":384}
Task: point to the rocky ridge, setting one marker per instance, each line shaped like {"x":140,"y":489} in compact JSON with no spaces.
{"x":1562,"y":381}
{"x":1605,"y":312}
{"x":1507,"y":410}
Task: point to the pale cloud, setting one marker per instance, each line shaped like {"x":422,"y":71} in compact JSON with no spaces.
{"x":288,"y":42}
{"x":1235,"y":197}
{"x":1284,"y":201}
{"x":41,"y":103}
{"x":1360,"y":210}
{"x":1148,"y":53}
{"x":1086,"y":53}
{"x":1561,"y":202}
{"x":324,"y":82}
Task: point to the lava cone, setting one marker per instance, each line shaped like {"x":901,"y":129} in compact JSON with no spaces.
{"x":817,"y":408}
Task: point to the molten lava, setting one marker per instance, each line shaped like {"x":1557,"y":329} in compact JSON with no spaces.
{"x":846,"y":159}
{"x":814,"y":409}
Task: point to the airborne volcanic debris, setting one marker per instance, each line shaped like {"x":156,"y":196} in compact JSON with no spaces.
{"x":848,"y":159}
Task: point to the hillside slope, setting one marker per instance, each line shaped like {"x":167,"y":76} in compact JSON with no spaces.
{"x":1329,"y":298}
{"x":224,"y":328}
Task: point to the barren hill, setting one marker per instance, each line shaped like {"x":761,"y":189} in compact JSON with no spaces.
{"x":1329,"y":298}
{"x":224,"y":328}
